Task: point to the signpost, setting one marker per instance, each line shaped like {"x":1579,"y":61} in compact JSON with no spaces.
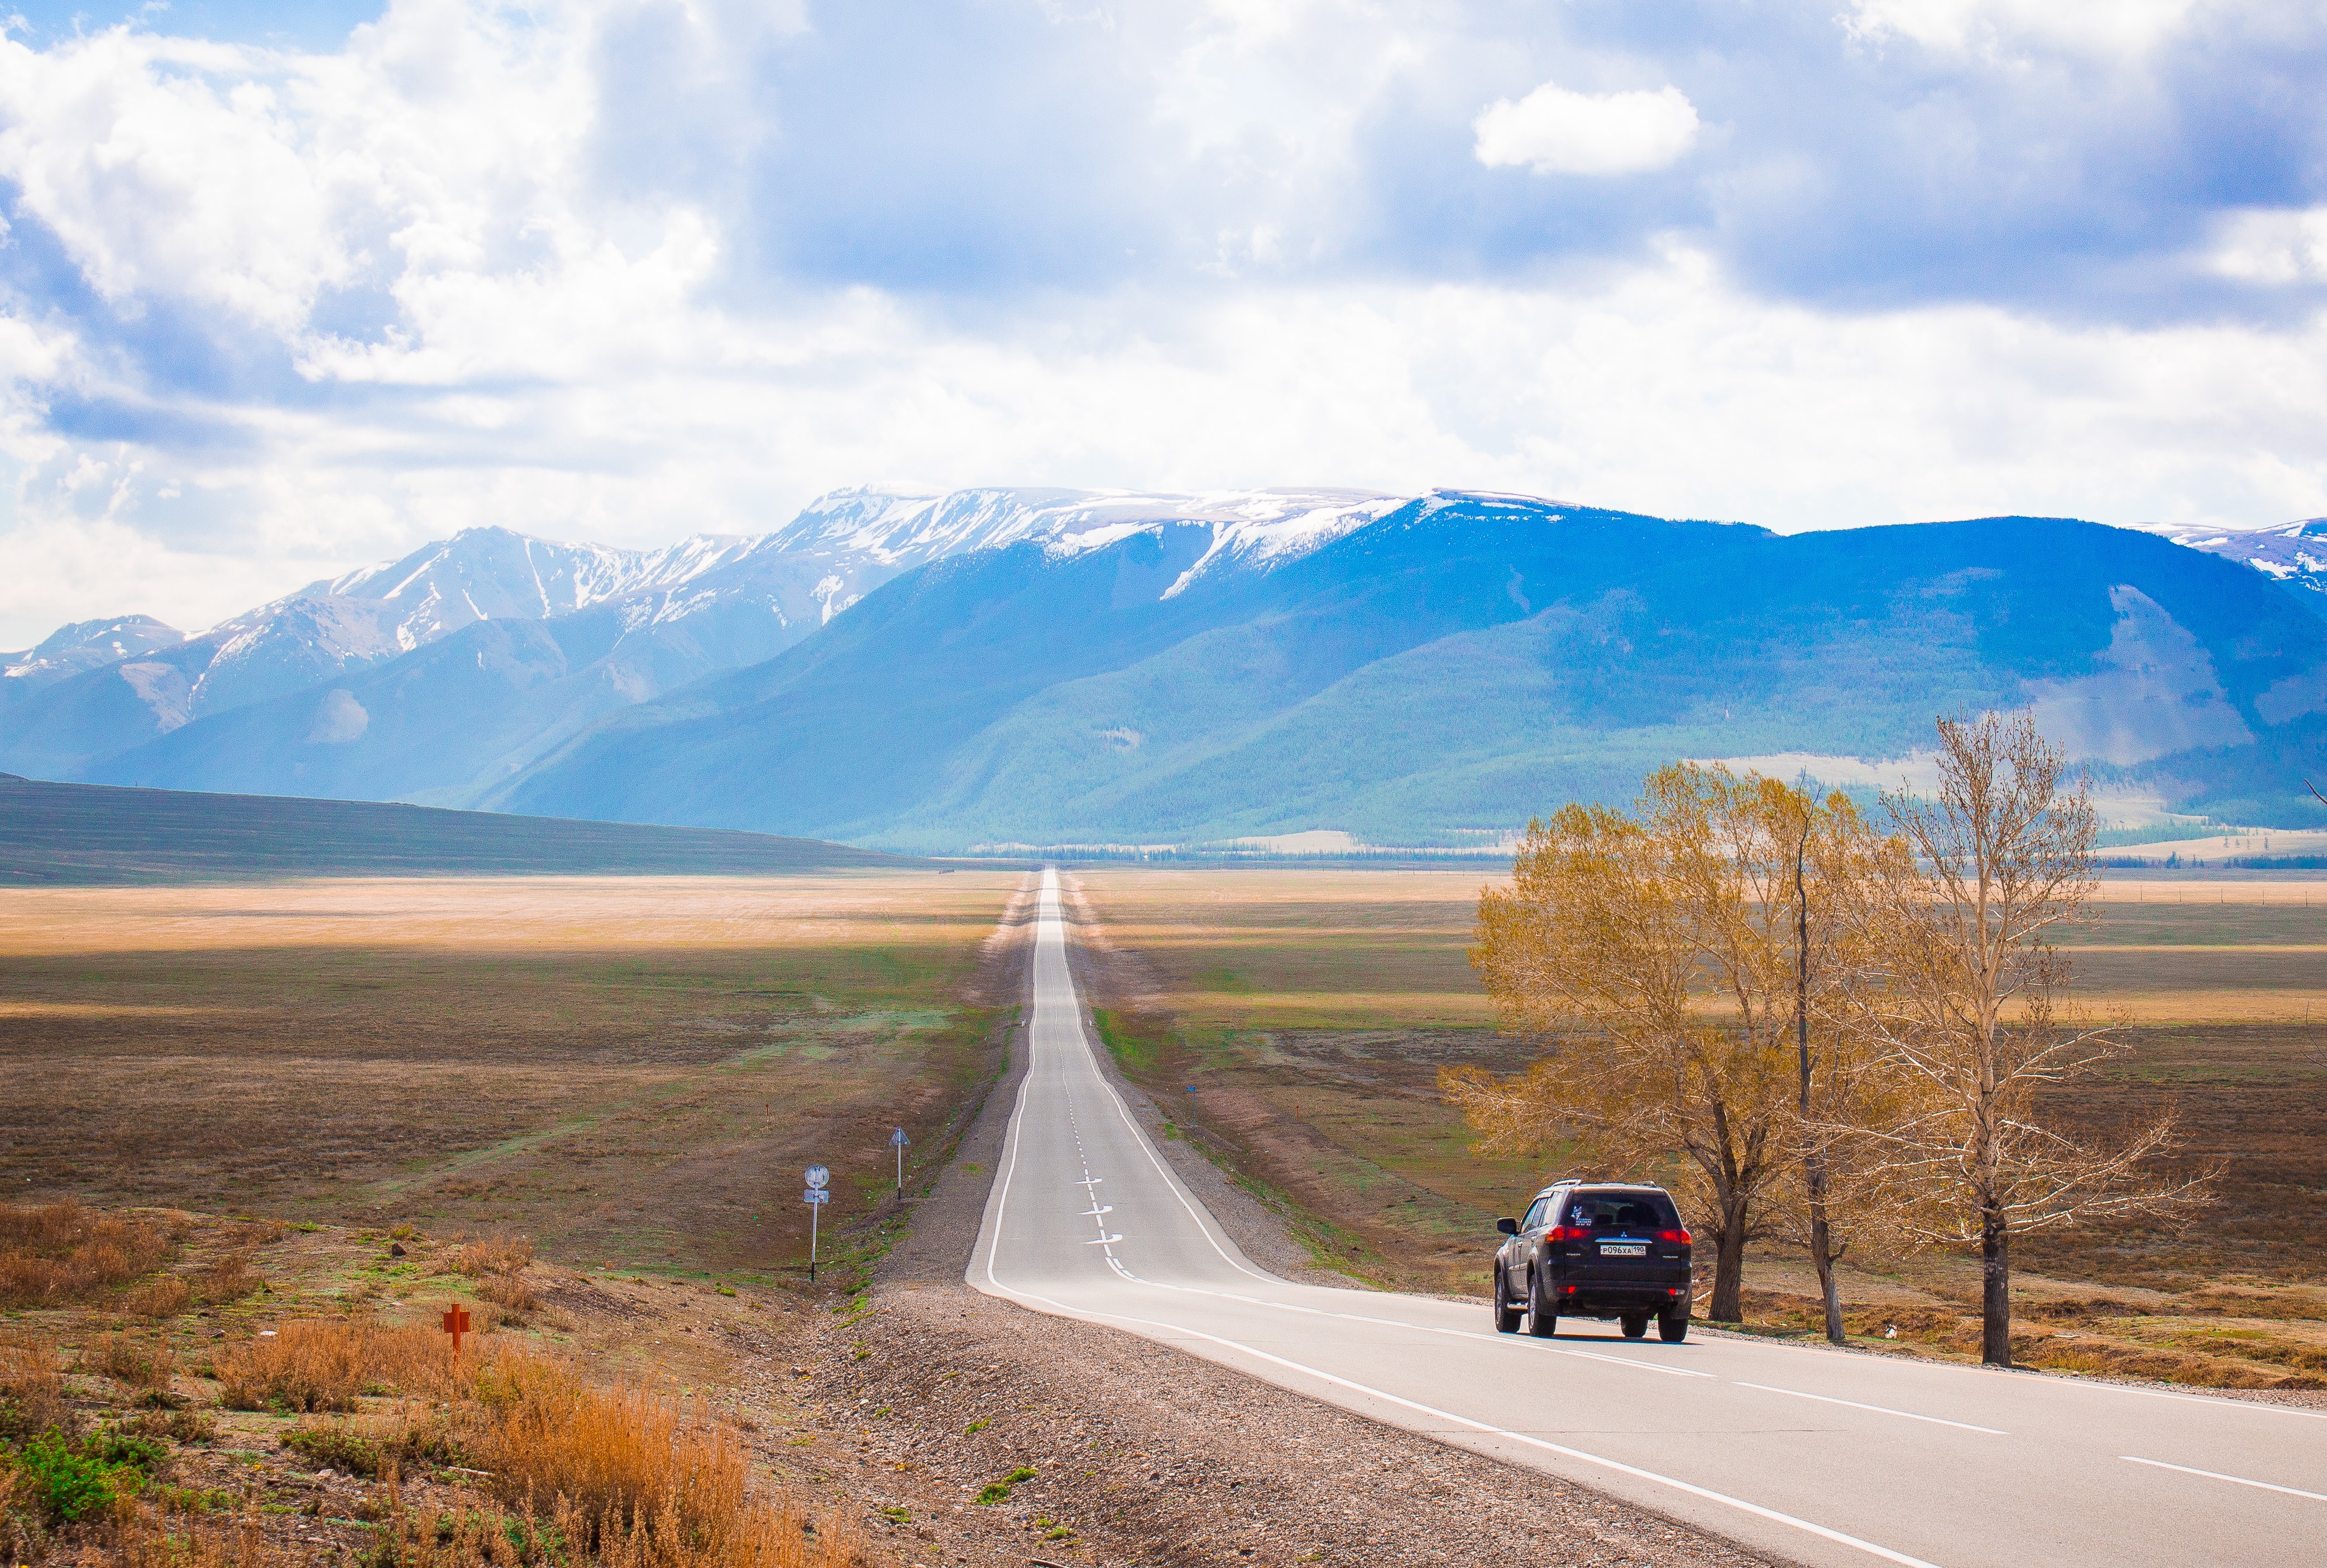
{"x":897,"y":1140}
{"x":456,"y":1323}
{"x":816,"y":1197}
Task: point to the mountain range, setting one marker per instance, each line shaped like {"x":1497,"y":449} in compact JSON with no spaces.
{"x":1019,"y":666}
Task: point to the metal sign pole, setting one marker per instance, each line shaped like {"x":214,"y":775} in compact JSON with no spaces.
{"x":816,"y":1197}
{"x":897,"y":1140}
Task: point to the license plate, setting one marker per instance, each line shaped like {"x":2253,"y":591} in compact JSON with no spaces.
{"x":1624,"y":1249}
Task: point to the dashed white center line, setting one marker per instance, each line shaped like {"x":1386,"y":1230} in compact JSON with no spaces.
{"x":1877,"y":1409}
{"x":2218,"y":1476}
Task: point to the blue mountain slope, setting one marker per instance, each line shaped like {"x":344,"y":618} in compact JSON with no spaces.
{"x":1457,"y":666}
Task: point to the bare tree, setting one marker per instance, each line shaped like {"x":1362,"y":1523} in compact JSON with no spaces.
{"x":1971,"y":1011}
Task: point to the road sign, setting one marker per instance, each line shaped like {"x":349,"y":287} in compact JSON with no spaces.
{"x":897,"y":1139}
{"x":816,"y":1197}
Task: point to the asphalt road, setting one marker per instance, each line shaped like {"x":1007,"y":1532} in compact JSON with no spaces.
{"x":1812,"y":1455}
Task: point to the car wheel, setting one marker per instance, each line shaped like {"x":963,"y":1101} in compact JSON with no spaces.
{"x":1674,"y":1329}
{"x":1542,"y":1318}
{"x":1507,"y":1311}
{"x":1636,"y":1324}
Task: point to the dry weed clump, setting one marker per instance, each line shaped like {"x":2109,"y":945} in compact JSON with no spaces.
{"x":130,"y":1360}
{"x":495,"y":1254}
{"x":510,"y":1292}
{"x":312,"y":1367}
{"x":631,"y":1478}
{"x":32,"y":1390}
{"x":165,"y":1297}
{"x":62,"y":1252}
{"x":230,"y":1279}
{"x":150,"y":1538}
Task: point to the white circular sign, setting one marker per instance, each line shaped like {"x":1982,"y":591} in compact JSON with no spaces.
{"x":817,"y":1176}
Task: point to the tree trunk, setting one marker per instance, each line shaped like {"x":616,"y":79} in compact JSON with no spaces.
{"x":1729,"y":1268}
{"x":1822,"y":1251}
{"x":1813,"y":1157}
{"x":1996,"y":1287}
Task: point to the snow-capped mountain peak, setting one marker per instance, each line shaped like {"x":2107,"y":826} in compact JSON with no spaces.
{"x":2293,"y":553}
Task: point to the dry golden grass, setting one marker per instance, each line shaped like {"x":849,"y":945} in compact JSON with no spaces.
{"x":165,"y":1297}
{"x":601,"y":1063}
{"x":617,"y":1476}
{"x":313,"y":1366}
{"x":497,"y":914}
{"x":230,"y":1279}
{"x":511,"y":1293}
{"x":32,"y":1389}
{"x":494,"y":1254}
{"x":132,"y":1360}
{"x":62,"y":1252}
{"x":152,"y":1539}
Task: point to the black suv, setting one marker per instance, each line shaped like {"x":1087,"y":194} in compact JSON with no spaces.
{"x":1595,"y":1249}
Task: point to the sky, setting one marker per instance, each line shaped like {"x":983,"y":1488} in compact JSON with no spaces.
{"x":285,"y":289}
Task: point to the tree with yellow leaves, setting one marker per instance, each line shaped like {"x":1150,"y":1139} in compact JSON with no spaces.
{"x":1654,"y":953}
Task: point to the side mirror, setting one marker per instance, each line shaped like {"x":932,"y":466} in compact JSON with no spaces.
{"x":1507,"y":1227}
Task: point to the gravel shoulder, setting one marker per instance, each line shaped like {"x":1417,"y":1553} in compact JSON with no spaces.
{"x":1139,"y":1453}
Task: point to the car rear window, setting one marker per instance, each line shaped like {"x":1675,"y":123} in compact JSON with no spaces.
{"x":1608,"y":1210}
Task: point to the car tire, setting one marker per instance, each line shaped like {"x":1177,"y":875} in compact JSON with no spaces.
{"x":1542,"y":1318}
{"x":1508,"y":1313}
{"x":1635,"y":1325}
{"x":1674,"y":1328}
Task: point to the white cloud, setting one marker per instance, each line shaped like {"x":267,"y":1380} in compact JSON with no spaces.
{"x":1554,"y":131}
{"x":2006,"y":27}
{"x":539,"y":343}
{"x":2272,"y":247}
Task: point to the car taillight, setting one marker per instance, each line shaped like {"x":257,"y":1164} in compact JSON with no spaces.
{"x":1678,"y":1237}
{"x":1566,"y":1233}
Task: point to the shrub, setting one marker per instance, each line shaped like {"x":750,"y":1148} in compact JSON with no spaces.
{"x":62,"y":1252}
{"x":496,"y":1254}
{"x":32,"y":1393}
{"x":138,"y":1363}
{"x":118,"y":1448}
{"x":313,"y":1367}
{"x":165,"y":1297}
{"x":66,"y":1485}
{"x":334,"y":1447}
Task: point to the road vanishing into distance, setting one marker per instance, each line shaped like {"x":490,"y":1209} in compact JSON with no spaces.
{"x":1812,"y":1455}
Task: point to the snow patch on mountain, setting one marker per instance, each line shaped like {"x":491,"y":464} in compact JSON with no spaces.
{"x":86,"y":645}
{"x":2295,"y":554}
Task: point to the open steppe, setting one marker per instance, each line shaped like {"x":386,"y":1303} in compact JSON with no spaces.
{"x":1294,"y":1021}
{"x":631,"y":1069}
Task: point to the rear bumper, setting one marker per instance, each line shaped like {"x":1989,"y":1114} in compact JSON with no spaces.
{"x":1590,"y":1297}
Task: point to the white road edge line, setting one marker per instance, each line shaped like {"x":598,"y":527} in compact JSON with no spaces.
{"x":2215,"y":1400}
{"x":2218,"y":1476}
{"x":1756,"y":1509}
{"x":1878,"y":1409}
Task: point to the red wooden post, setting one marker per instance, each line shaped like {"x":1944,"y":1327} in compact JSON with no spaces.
{"x":456,"y":1323}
